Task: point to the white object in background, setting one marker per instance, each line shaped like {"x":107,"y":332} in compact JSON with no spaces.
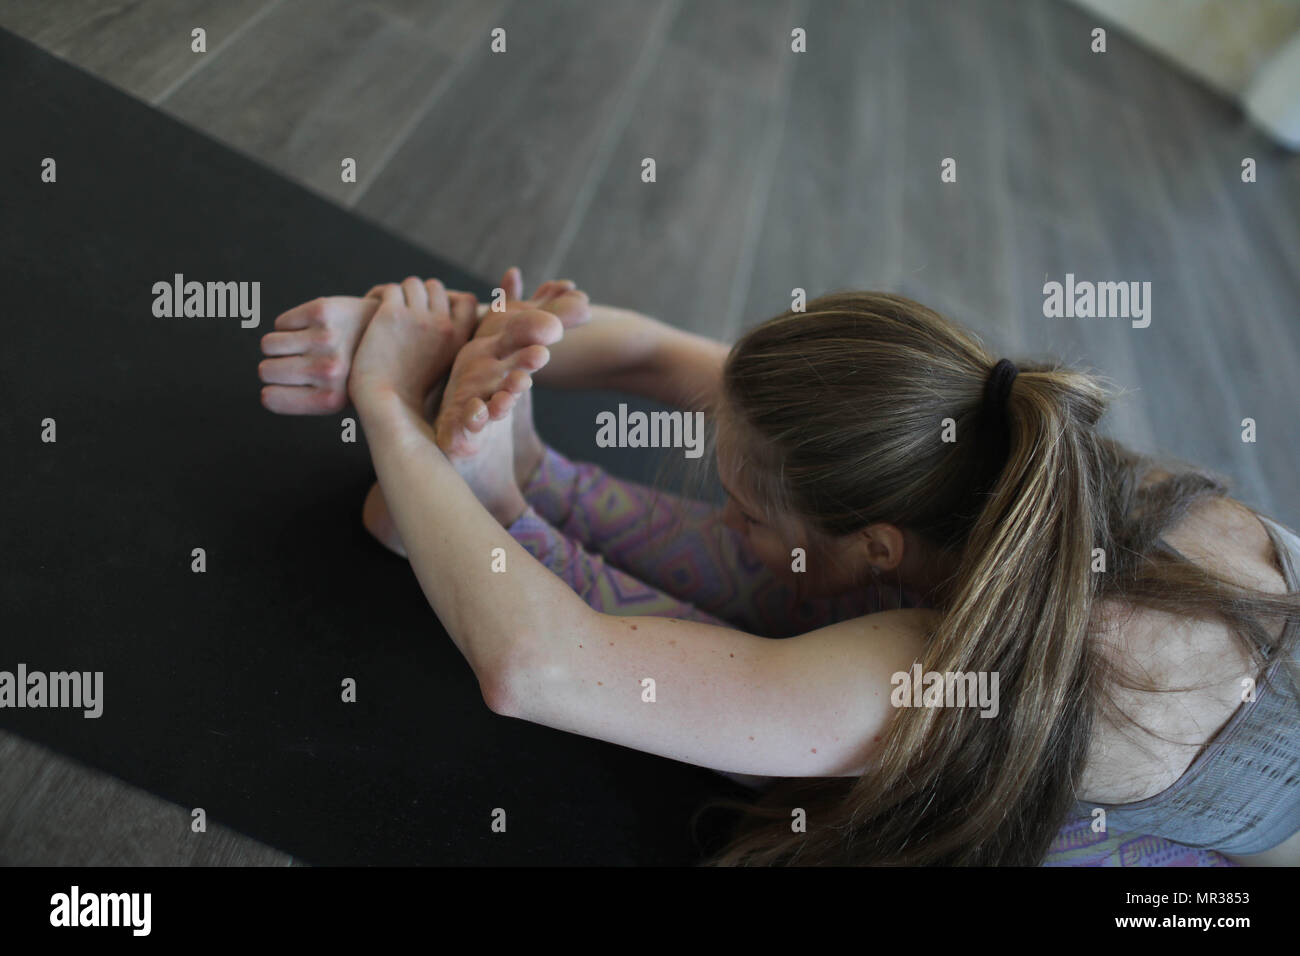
{"x":1273,"y":98}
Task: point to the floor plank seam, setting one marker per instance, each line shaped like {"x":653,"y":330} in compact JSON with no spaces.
{"x":614,"y":130}
{"x":221,"y":47}
{"x":761,"y":190}
{"x":468,"y":52}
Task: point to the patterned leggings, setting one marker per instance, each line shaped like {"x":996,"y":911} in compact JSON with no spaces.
{"x":628,"y":549}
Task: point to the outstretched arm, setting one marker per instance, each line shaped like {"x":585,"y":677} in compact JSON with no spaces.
{"x":622,"y":350}
{"x":711,"y":696}
{"x":308,"y":356}
{"x":625,"y":351}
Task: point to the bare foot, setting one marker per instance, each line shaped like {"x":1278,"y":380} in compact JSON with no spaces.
{"x":526,"y":448}
{"x":563,"y":299}
{"x":475,"y":426}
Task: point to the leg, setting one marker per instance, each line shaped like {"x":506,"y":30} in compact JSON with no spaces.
{"x":485,"y":396}
{"x":677,"y":547}
{"x":680,"y":546}
{"x":603,"y":587}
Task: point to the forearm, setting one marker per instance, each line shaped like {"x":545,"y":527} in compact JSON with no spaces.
{"x":450,"y":540}
{"x":623,"y":350}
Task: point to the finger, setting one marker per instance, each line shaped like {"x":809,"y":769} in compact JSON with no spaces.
{"x":391,"y":296}
{"x":301,"y":316}
{"x":571,"y":306}
{"x":321,"y":370}
{"x":296,"y":400}
{"x":417,"y":296}
{"x":291,"y":343}
{"x":544,"y":291}
{"x":376,"y":292}
{"x":513,"y":283}
{"x":437,"y":293}
{"x":551,"y":288}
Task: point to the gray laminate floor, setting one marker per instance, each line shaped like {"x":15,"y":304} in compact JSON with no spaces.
{"x":777,"y":170}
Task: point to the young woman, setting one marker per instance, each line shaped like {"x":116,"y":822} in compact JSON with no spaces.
{"x":1140,"y":625}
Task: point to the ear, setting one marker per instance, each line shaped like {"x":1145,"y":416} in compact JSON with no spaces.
{"x":884,"y":544}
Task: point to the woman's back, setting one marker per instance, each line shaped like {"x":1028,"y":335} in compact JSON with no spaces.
{"x":991,"y":491}
{"x":1138,"y":761}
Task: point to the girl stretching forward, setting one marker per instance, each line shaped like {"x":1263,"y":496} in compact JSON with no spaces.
{"x":958,"y":515}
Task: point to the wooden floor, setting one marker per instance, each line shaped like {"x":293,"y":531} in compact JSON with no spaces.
{"x":56,"y":812}
{"x":775,"y":169}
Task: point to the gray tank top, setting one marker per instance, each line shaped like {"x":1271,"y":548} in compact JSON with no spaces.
{"x":1241,"y":795}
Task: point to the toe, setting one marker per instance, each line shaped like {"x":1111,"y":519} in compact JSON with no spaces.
{"x":517,"y":381}
{"x":531,"y":358}
{"x":531,"y":327}
{"x":475,"y":415}
{"x":500,"y":404}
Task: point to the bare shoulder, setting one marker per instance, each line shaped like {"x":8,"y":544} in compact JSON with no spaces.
{"x":1156,"y":734}
{"x":1227,"y":537}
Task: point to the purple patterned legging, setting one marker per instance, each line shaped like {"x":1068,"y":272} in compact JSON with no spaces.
{"x":629,"y":549}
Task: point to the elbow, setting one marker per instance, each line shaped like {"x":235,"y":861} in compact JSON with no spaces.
{"x":499,"y":684}
{"x":522,"y":678}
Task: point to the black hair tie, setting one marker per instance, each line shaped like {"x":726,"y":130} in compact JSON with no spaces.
{"x":997,"y":387}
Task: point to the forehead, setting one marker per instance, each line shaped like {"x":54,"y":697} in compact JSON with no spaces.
{"x":732,"y":464}
{"x":727,"y":454}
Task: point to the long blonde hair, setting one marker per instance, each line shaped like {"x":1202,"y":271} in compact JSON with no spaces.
{"x":841,"y":411}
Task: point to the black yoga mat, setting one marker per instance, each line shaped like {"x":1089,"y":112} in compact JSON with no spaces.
{"x":222,"y":690}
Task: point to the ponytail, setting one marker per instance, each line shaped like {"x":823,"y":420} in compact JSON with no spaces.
{"x":1019,"y":502}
